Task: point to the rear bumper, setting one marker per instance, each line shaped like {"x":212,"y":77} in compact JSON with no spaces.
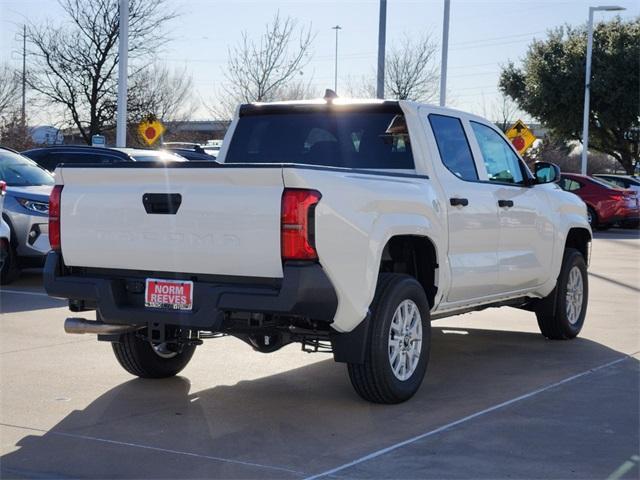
{"x":305,"y":291}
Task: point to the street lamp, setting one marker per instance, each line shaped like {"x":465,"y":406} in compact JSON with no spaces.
{"x":335,"y":80}
{"x":587,"y":82}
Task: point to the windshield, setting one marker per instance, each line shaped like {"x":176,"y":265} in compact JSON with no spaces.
{"x":365,"y":139}
{"x":19,"y":171}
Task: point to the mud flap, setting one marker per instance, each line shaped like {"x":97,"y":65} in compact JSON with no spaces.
{"x":351,"y":347}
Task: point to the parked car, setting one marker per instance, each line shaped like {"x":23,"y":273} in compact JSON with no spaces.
{"x":212,"y":147}
{"x":50,"y":157}
{"x":622,"y":181}
{"x":607,"y":204}
{"x":343,"y":226}
{"x":26,"y":211}
{"x":190,"y":151}
{"x":5,"y":231}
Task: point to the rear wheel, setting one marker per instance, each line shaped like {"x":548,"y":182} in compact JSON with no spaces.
{"x":564,"y":319}
{"x":398,"y":351}
{"x":146,"y":360}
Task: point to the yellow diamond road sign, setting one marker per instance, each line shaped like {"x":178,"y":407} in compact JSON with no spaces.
{"x":521,"y":137}
{"x":151,"y":131}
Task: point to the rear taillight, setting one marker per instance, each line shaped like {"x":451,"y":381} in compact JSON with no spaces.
{"x":3,"y":187}
{"x":298,"y":224}
{"x":54,"y":217}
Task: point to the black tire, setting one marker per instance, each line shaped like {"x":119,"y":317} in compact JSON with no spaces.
{"x":374,"y":380}
{"x":592,"y":217}
{"x":552,"y":315}
{"x":9,"y":270}
{"x":139,"y":358}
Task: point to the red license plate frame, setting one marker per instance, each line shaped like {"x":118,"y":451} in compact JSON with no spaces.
{"x":166,"y":294}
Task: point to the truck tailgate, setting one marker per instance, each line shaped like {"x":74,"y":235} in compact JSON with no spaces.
{"x":228,"y":221}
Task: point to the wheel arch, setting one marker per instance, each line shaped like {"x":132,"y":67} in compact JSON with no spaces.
{"x":414,"y":255}
{"x":580,"y":239}
{"x":13,"y":238}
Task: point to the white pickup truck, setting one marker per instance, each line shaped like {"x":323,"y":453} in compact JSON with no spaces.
{"x":345,"y":226}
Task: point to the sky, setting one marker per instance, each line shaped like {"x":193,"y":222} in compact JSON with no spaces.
{"x":483,"y":36}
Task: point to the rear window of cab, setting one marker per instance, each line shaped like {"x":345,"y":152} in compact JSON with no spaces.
{"x":350,"y":139}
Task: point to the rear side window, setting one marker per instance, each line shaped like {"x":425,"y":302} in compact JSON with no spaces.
{"x":453,"y":146}
{"x":337,"y":139}
{"x":604,"y":183}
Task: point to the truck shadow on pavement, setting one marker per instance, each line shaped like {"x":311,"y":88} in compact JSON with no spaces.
{"x":293,"y":423}
{"x":16,"y":303}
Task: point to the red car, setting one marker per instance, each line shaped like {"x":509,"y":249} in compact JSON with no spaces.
{"x":606,"y":203}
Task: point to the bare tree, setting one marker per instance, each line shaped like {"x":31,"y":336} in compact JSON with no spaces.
{"x":259,"y":70}
{"x":504,"y":112}
{"x":412,"y":70}
{"x":162,"y":93}
{"x":411,"y":73}
{"x":9,"y":91}
{"x":361,"y":87}
{"x":75,"y":64}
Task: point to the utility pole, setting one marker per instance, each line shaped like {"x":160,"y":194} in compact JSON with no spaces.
{"x":123,"y":54}
{"x":382,"y":34}
{"x":335,"y":80}
{"x":24,"y":76}
{"x":445,"y":53}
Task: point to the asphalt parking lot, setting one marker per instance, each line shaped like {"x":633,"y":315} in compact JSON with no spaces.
{"x":499,"y":400}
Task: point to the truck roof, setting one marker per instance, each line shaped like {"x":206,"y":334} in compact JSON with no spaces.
{"x":344,"y":102}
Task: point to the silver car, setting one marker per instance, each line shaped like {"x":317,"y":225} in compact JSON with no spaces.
{"x":26,"y":211}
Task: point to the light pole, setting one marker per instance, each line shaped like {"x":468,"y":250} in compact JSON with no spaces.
{"x":382,"y":36}
{"x":123,"y":54}
{"x":337,"y":28}
{"x":445,"y":53}
{"x":587,"y":83}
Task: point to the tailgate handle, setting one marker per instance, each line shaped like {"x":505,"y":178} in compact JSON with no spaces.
{"x":162,"y":203}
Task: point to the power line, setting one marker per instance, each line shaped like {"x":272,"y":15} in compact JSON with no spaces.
{"x":491,"y":39}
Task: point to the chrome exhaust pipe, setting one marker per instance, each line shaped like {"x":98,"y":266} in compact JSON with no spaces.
{"x":81,"y":325}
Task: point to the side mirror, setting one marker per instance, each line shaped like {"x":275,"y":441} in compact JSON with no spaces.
{"x":546,"y":172}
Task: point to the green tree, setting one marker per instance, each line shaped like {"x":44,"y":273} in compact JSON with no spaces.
{"x":550,"y":86}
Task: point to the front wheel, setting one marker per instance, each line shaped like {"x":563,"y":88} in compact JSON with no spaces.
{"x":146,"y":360}
{"x":9,"y":270}
{"x":564,"y":319}
{"x":592,"y":217}
{"x":398,"y":351}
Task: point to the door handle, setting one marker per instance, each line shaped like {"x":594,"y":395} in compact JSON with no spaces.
{"x":162,"y":203}
{"x":505,"y":203}
{"x":462,"y":202}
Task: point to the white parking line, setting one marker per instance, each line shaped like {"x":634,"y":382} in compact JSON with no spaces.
{"x":23,"y":292}
{"x":156,"y":449}
{"x":465,"y":419}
